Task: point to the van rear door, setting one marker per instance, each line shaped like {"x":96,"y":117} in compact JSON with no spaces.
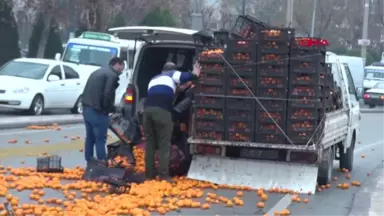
{"x":152,"y":33}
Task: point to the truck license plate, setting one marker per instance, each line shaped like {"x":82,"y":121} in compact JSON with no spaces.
{"x":259,"y":154}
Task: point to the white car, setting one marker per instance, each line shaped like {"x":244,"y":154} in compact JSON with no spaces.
{"x":375,"y":95}
{"x":34,"y":85}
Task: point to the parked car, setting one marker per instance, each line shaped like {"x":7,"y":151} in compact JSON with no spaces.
{"x":375,"y":96}
{"x":34,"y":85}
{"x":372,"y":75}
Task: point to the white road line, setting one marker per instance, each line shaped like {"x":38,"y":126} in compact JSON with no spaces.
{"x":281,"y":205}
{"x":362,"y":147}
{"x":28,"y":131}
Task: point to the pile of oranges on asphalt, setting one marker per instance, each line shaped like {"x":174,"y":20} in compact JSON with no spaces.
{"x":91,"y":199}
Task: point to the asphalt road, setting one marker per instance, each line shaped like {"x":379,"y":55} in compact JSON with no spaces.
{"x":333,"y":201}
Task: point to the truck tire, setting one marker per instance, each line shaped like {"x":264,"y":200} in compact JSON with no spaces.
{"x":325,"y":172}
{"x":346,"y":159}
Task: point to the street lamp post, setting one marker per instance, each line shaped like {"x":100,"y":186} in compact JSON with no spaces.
{"x":313,"y":18}
{"x":243,"y":7}
{"x":290,"y":5}
{"x":365,"y":29}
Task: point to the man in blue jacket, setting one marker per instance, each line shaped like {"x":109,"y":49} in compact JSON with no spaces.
{"x":157,"y":116}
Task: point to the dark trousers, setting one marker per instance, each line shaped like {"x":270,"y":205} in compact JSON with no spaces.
{"x":158,"y":127}
{"x":96,"y":128}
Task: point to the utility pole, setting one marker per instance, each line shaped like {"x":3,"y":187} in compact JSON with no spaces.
{"x":290,"y":5}
{"x":365,"y":29}
{"x":243,"y":7}
{"x":313,"y":17}
{"x":197,"y":17}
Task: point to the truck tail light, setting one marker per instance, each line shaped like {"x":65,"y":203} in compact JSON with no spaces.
{"x":208,"y":149}
{"x":129,"y":97}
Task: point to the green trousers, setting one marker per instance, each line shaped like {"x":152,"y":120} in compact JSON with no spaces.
{"x":158,"y":128}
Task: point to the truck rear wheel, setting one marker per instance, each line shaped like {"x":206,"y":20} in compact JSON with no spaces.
{"x":326,"y":167}
{"x":346,"y":159}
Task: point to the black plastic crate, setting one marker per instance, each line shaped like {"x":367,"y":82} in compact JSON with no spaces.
{"x":274,"y":47}
{"x":236,"y":45}
{"x":211,"y":56}
{"x":50,"y":164}
{"x":242,"y":70}
{"x":277,"y":34}
{"x":304,"y":102}
{"x":206,"y":101}
{"x":277,"y":116}
{"x":209,"y":124}
{"x":239,"y":91}
{"x":241,"y":57}
{"x":242,"y":131}
{"x":212,"y":68}
{"x":305,"y":113}
{"x":233,"y":80}
{"x":269,"y":128}
{"x":302,"y":137}
{"x":239,"y":114}
{"x":304,"y":90}
{"x":209,"y":113}
{"x":272,"y":69}
{"x":209,"y":134}
{"x":302,"y":46}
{"x":270,"y":138}
{"x":271,"y":82}
{"x":240,"y":103}
{"x":272,"y":105}
{"x":301,"y":65}
{"x":211,"y":88}
{"x":302,"y":125}
{"x":248,"y":27}
{"x":270,"y":93}
{"x":306,"y":78}
{"x":273,"y":58}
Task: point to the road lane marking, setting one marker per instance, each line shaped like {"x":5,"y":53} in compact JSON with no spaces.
{"x":281,"y":205}
{"x":35,"y":150}
{"x":30,"y":131}
{"x":363,"y":147}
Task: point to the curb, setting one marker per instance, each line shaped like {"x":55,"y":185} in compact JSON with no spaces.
{"x":24,"y":121}
{"x":372,"y":110}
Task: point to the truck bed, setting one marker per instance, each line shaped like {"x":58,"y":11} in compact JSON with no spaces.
{"x":335,"y":130}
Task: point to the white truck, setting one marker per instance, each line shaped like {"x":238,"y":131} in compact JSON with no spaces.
{"x":339,"y":134}
{"x":93,"y":50}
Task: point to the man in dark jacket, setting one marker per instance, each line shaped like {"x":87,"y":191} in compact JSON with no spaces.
{"x":157,"y":116}
{"x":98,"y":101}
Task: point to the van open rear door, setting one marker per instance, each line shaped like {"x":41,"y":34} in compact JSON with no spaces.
{"x":151,"y":33}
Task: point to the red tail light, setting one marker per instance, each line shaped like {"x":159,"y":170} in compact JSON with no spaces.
{"x":208,"y":149}
{"x":367,"y":96}
{"x":129,"y":97}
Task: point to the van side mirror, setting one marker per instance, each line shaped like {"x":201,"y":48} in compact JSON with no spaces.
{"x":57,"y":56}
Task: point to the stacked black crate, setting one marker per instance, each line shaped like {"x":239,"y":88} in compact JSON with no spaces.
{"x":210,"y":97}
{"x":241,"y":78}
{"x":307,"y":93}
{"x":272,"y":85}
{"x":247,"y":27}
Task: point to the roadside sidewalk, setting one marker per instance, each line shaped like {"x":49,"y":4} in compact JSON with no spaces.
{"x":369,"y":199}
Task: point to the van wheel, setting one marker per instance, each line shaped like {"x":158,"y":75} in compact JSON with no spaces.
{"x":346,"y":159}
{"x":325,"y":172}
{"x":372,"y":106}
{"x":78,"y":108}
{"x":37,"y":106}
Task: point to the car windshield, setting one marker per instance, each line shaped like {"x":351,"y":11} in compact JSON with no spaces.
{"x":379,"y":85}
{"x":89,"y":54}
{"x":28,"y":70}
{"x":374,"y":73}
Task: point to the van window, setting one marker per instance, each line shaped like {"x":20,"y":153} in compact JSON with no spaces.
{"x":131,"y":58}
{"x":351,"y":84}
{"x":89,"y":54}
{"x":124,"y":55}
{"x":374,"y":74}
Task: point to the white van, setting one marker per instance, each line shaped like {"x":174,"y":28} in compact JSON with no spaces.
{"x":372,"y":75}
{"x":93,"y":50}
{"x":356,"y":68}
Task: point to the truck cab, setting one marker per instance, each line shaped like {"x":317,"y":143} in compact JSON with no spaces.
{"x":93,"y":50}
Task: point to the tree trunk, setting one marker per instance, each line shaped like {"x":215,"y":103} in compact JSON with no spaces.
{"x":44,"y":37}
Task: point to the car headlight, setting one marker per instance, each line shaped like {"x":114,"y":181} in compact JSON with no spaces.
{"x":21,"y":90}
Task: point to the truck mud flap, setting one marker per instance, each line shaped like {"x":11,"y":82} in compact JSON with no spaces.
{"x":301,"y":178}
